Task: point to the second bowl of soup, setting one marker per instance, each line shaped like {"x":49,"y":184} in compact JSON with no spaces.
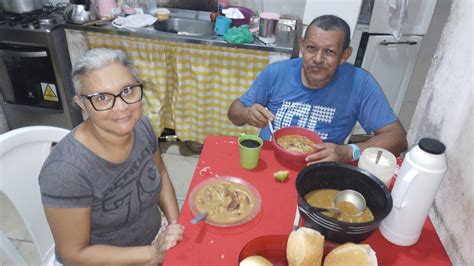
{"x":293,"y":144}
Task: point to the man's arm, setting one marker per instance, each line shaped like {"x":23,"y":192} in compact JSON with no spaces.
{"x":391,"y":137}
{"x":256,"y":115}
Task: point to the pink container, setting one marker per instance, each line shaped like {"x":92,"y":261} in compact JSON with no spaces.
{"x":247,"y":12}
{"x":105,"y":7}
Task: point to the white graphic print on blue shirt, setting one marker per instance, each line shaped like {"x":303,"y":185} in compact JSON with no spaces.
{"x":332,"y":111}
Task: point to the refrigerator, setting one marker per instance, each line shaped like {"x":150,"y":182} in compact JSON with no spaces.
{"x":389,"y":60}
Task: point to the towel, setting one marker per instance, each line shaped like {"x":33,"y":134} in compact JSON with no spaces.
{"x":233,"y":13}
{"x":134,"y":21}
{"x":397,"y":16}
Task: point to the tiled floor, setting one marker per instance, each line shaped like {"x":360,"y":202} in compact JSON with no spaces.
{"x":179,"y":160}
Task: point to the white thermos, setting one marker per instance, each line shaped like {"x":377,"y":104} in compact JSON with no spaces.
{"x":414,"y":191}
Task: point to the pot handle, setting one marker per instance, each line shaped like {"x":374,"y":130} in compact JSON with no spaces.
{"x":88,"y":5}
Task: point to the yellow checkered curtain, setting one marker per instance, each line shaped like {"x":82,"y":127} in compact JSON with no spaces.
{"x":189,"y":87}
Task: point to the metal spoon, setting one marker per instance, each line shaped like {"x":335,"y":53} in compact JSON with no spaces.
{"x":379,"y":154}
{"x":336,"y":211}
{"x":352,"y":197}
{"x":270,"y":126}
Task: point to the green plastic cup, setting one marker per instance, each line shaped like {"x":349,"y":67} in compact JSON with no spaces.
{"x":250,"y":147}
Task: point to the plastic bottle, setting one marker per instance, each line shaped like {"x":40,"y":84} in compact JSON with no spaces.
{"x":414,"y":191}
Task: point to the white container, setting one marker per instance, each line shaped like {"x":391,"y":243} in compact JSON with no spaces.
{"x":383,"y":169}
{"x":414,"y":191}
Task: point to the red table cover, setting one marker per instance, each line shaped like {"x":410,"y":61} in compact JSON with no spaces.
{"x":205,"y":244}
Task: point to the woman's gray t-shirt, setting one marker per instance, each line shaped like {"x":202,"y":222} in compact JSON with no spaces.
{"x":122,"y":197}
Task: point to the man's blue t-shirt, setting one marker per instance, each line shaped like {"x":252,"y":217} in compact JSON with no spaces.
{"x":332,"y":111}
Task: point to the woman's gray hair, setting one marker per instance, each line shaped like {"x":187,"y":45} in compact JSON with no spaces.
{"x":95,"y":59}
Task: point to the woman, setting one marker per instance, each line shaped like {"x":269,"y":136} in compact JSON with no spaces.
{"x":101,"y":183}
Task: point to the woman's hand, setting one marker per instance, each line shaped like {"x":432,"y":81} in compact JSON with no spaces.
{"x":168,"y":238}
{"x":330,"y":152}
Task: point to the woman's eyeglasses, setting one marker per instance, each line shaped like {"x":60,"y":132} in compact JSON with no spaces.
{"x":104,"y":101}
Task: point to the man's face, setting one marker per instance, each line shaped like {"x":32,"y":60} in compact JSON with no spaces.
{"x":322,"y":52}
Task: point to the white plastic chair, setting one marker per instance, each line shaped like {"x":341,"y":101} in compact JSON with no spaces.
{"x":22,"y":153}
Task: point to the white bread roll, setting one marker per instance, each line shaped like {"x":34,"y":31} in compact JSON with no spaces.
{"x":305,"y":247}
{"x":255,"y":261}
{"x":351,"y":254}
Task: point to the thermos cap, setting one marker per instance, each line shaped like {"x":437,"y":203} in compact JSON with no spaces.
{"x":432,"y":146}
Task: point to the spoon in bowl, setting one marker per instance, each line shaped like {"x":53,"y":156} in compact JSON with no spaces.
{"x":335,"y":211}
{"x":199,"y":217}
{"x":347,"y":201}
{"x":270,"y":126}
{"x":351,"y":202}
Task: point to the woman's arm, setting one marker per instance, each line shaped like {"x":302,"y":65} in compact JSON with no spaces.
{"x":167,"y":199}
{"x":71,"y":232}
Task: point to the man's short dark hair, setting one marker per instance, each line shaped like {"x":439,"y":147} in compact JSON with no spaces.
{"x":332,"y":23}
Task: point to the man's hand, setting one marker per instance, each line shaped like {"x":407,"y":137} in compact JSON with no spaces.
{"x":330,"y":152}
{"x":165,"y":240}
{"x":258,"y":116}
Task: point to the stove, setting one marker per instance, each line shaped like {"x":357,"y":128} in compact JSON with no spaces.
{"x":35,"y":69}
{"x":45,"y":19}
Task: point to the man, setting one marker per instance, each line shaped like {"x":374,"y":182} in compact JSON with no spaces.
{"x":322,"y":93}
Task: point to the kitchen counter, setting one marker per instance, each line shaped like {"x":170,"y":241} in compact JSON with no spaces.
{"x":286,"y":34}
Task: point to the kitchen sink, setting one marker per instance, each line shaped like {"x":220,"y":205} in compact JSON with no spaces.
{"x":186,"y":26}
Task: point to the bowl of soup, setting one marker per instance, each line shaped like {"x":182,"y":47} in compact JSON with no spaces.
{"x":293,"y":144}
{"x":317,"y":186}
{"x":228,"y":200}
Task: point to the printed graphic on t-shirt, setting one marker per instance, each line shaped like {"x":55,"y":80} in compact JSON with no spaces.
{"x":132,"y":191}
{"x":304,"y":115}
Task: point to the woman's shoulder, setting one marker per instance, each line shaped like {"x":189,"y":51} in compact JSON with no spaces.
{"x":144,"y":124}
{"x":144,"y":129}
{"x":66,"y":151}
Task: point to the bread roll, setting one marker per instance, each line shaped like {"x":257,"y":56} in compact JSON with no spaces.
{"x":305,"y":247}
{"x":255,"y":261}
{"x":351,"y":254}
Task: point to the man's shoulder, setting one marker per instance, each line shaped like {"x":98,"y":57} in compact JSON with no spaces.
{"x":350,"y":68}
{"x":357,"y":75}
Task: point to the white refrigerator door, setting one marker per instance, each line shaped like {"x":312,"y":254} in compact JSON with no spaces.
{"x":392,"y":63}
{"x":419,"y":17}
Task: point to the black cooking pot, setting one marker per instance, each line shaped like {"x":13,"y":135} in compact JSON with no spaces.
{"x":340,"y":176}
